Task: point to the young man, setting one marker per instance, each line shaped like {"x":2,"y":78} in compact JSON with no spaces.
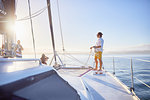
{"x":18,"y":49}
{"x":98,"y":48}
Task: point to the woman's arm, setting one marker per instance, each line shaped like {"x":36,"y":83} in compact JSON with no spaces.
{"x":21,"y":47}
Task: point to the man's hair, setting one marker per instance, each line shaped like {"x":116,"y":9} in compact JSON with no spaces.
{"x":100,"y":33}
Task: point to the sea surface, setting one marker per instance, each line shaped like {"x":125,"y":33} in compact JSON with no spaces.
{"x":122,"y":68}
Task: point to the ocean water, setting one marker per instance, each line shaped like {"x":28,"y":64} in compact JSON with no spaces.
{"x":141,"y":69}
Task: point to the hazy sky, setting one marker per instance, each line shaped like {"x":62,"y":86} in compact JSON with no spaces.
{"x":124,"y":23}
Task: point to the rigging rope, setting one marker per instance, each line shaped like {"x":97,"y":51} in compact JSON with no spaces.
{"x":63,"y":48}
{"x":84,"y":64}
{"x":70,"y":56}
{"x":31,"y":27}
{"x":37,"y":13}
{"x":60,"y":27}
{"x":88,"y":57}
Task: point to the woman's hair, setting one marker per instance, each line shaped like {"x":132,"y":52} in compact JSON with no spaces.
{"x":100,"y":34}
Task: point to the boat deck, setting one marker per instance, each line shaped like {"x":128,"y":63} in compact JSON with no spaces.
{"x":101,"y":86}
{"x":90,"y":86}
{"x":72,"y":72}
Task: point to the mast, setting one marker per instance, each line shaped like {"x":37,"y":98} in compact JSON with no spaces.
{"x":51,"y":29}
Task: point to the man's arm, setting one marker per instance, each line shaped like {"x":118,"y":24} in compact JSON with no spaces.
{"x":95,"y":47}
{"x":99,"y":45}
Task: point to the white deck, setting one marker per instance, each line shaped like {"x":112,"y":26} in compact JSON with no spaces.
{"x":8,"y":77}
{"x":99,"y":87}
{"x":106,"y":87}
{"x":89,"y":86}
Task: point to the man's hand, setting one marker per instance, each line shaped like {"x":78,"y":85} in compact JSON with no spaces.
{"x":93,"y":47}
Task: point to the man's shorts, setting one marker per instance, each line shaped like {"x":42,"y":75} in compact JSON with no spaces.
{"x":98,"y":55}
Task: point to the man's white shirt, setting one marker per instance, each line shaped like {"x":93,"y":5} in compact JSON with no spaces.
{"x":99,"y":42}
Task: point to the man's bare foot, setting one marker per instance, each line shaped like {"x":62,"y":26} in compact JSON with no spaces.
{"x":100,"y":70}
{"x":95,"y":69}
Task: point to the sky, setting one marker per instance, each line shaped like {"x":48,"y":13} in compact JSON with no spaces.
{"x":124,"y":23}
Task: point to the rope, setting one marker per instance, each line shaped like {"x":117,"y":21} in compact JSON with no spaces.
{"x":70,"y":56}
{"x":142,"y":82}
{"x":88,"y":58}
{"x":84,"y":73}
{"x":63,"y":40}
{"x":31,"y":27}
{"x":61,"y":33}
{"x":37,"y":13}
{"x":60,"y":27}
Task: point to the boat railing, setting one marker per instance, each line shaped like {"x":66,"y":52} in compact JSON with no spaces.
{"x":132,"y":73}
{"x":19,"y":60}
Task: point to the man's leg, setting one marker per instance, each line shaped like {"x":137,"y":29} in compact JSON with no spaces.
{"x":100,"y":63}
{"x":96,"y":62}
{"x":100,"y":60}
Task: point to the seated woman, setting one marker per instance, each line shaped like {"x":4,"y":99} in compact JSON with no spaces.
{"x":44,"y":59}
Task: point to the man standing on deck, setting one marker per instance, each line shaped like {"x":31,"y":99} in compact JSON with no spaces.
{"x":98,"y":48}
{"x":18,"y":49}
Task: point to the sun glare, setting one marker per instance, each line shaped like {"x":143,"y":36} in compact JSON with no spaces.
{"x":19,"y":28}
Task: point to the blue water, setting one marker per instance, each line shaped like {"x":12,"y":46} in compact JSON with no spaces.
{"x":141,"y":70}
